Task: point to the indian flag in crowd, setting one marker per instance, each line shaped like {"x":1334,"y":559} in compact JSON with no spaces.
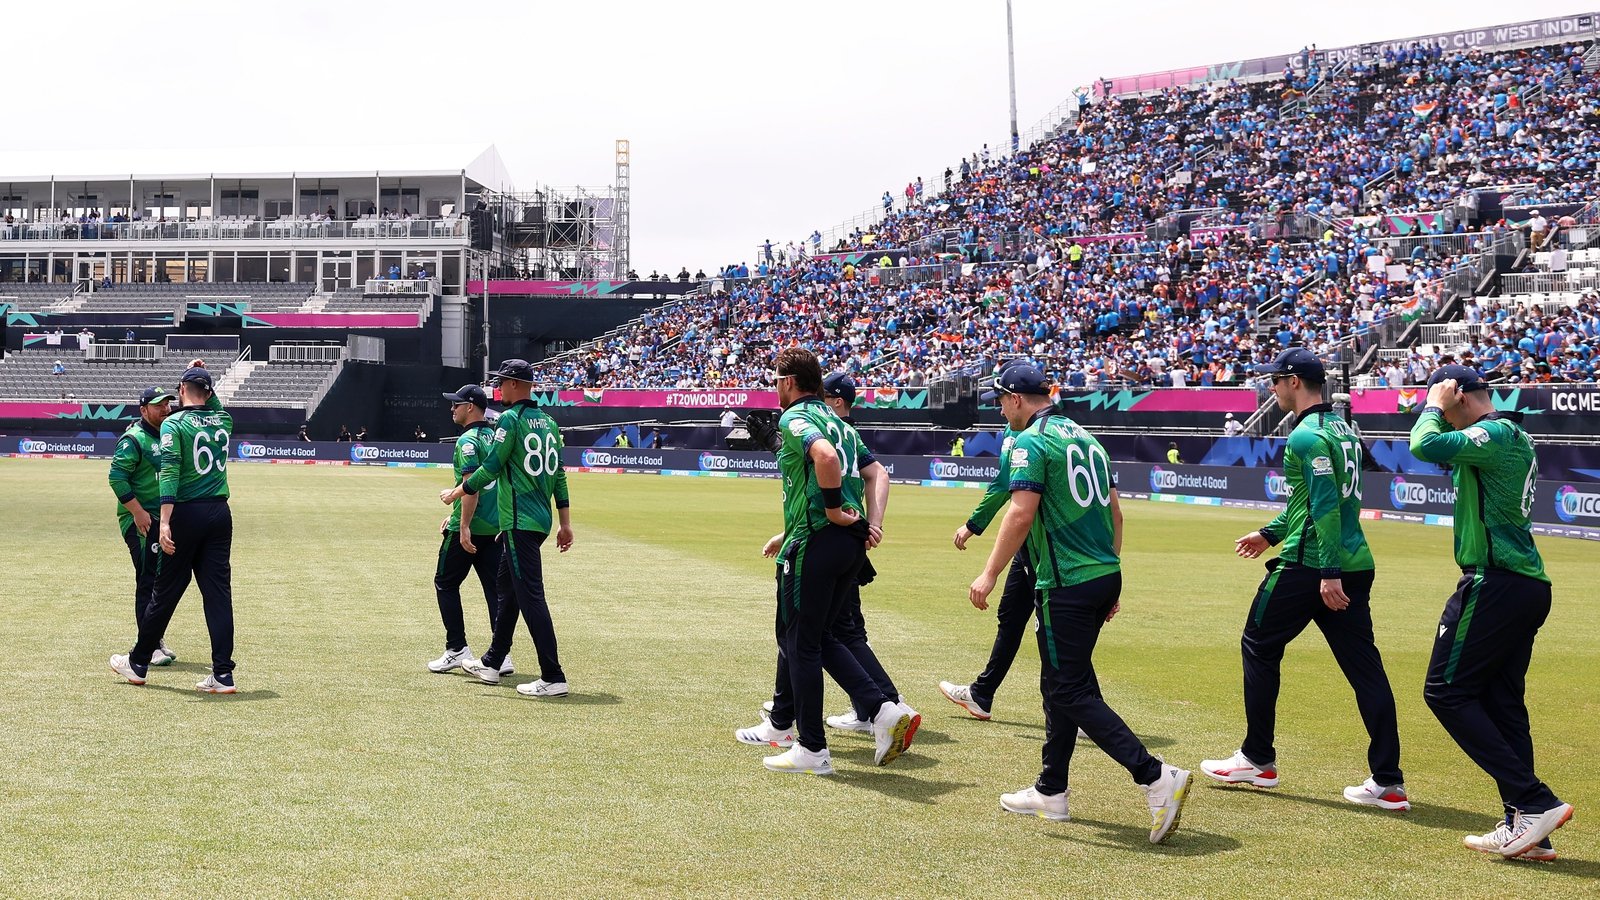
{"x":1411,"y":309}
{"x":1407,"y":401}
{"x":1425,"y":108}
{"x":885,"y":397}
{"x":593,"y":395}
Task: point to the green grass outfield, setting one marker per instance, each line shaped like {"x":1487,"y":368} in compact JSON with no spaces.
{"x":344,"y":768}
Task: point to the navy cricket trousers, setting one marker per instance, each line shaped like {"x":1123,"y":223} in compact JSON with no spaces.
{"x":202,"y":533}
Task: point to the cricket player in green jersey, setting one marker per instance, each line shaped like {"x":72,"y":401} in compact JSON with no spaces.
{"x":1063,"y":504}
{"x":524,"y":465}
{"x":134,"y":479}
{"x":820,"y":554}
{"x":1016,"y":598}
{"x":1323,"y":574}
{"x":196,"y":531}
{"x":471,"y":532}
{"x":1478,"y":673}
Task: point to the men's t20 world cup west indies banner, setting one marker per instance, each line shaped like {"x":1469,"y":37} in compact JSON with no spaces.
{"x":731,"y":398}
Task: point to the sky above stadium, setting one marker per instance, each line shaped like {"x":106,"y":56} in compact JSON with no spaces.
{"x":747,"y":120}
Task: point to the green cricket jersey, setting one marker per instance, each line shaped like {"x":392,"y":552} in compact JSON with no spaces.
{"x":801,"y":425}
{"x":1495,"y":474}
{"x":471,"y":448}
{"x":1320,"y":526}
{"x":1072,"y":539}
{"x":194,"y":453}
{"x":524,"y":462}
{"x":135,"y":468}
{"x":999,"y":489}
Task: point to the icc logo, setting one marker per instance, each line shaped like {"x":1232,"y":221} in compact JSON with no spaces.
{"x":943,"y":471}
{"x":1161,"y":478}
{"x":595,"y":459}
{"x":712,"y":462}
{"x":1403,"y":493}
{"x":362,"y":453}
{"x":248,"y":450}
{"x":1277,"y":485}
{"x":26,"y":446}
{"x":1571,"y":504}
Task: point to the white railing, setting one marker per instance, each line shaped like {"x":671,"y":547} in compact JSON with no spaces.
{"x":1550,"y":282}
{"x":243,"y":229}
{"x":402,"y":286}
{"x":305,"y":353}
{"x":123,"y":351}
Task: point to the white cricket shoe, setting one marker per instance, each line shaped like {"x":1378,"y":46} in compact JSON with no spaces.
{"x":451,"y":659}
{"x":506,"y":667}
{"x":766,"y":710}
{"x":162,"y":656}
{"x":120,"y":665}
{"x":889,"y":732}
{"x":1236,"y":769}
{"x":1528,"y":829}
{"x":217,"y":684}
{"x":961,"y":695}
{"x":766,"y":735}
{"x":1373,"y":794}
{"x":848,"y":721}
{"x":798,"y":759}
{"x":1166,"y":796}
{"x":541,"y":688}
{"x":478,"y":670}
{"x":1496,"y":840}
{"x":1029,"y":802}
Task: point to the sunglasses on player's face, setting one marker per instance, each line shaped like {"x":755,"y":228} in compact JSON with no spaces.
{"x":779,"y":376}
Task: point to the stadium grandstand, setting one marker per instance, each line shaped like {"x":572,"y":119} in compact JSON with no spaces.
{"x":1349,"y":201}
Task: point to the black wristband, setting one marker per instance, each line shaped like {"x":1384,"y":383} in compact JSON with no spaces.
{"x":833,"y":498}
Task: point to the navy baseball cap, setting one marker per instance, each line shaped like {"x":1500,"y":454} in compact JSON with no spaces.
{"x":470,"y":393}
{"x":840,"y":385}
{"x":1295,"y":361}
{"x":1467,"y":378}
{"x":197,"y":375}
{"x":155,"y":395}
{"x":514,"y":369}
{"x":1020,"y":378}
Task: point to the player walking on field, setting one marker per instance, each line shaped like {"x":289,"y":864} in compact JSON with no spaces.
{"x":524,"y":462}
{"x":1477,"y":676}
{"x":1323,"y":575}
{"x":1064,"y":506}
{"x":196,"y":531}
{"x":471,"y":533}
{"x":134,"y":477}
{"x":820,"y":554}
{"x":1016,"y":598}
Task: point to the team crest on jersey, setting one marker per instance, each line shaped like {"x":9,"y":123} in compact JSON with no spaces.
{"x":798,"y":427}
{"x":1019,"y":458}
{"x":1476,"y":435}
{"x":467,"y":449}
{"x":1005,"y":445}
{"x":1321,"y":465}
{"x":166,"y":440}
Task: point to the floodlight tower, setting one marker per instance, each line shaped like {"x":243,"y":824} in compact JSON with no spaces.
{"x":620,"y":261}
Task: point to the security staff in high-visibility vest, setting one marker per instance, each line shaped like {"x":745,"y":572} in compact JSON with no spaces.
{"x":196,"y":531}
{"x":135,"y":470}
